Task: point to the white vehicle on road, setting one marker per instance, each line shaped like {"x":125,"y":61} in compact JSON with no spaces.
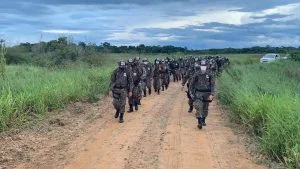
{"x":270,"y":57}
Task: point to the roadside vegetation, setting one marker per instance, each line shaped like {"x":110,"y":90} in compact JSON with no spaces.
{"x":265,"y":98}
{"x":28,"y":92}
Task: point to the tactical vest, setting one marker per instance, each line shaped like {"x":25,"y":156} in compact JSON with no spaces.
{"x":156,"y":72}
{"x":202,"y":82}
{"x":163,"y":68}
{"x":121,"y":79}
{"x":136,"y":74}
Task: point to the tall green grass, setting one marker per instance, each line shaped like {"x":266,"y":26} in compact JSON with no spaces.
{"x":266,"y":99}
{"x":30,"y":91}
{"x":243,"y":59}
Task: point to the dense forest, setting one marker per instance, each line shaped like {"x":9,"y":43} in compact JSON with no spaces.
{"x":63,"y":51}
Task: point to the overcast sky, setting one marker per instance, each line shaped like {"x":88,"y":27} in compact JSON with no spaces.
{"x":196,"y":24}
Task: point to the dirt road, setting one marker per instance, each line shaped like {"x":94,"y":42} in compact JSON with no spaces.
{"x":162,"y":134}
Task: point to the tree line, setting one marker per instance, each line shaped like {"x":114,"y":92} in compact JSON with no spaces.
{"x":63,"y":51}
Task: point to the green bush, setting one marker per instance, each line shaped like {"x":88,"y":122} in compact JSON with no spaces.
{"x":265,"y":98}
{"x":295,"y":56}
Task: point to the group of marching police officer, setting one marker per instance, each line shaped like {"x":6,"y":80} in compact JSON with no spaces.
{"x":134,"y":79}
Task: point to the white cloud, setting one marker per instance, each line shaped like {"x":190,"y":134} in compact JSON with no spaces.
{"x":165,"y":37}
{"x":283,"y":9}
{"x":140,"y":36}
{"x":214,"y":30}
{"x":126,"y":36}
{"x":64,"y":31}
{"x":232,"y":16}
{"x":225,"y":16}
{"x":291,"y":10}
{"x":280,"y":26}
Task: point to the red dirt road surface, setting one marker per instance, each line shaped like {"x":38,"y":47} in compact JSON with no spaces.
{"x":161,"y":135}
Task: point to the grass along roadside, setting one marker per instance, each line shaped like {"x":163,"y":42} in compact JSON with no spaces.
{"x":265,"y":98}
{"x":28,"y":92}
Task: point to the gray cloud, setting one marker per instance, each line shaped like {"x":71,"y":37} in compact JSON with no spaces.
{"x":196,"y":24}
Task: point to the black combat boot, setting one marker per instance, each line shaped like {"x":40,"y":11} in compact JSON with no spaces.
{"x":200,"y":122}
{"x":130,"y":108}
{"x":203,"y":122}
{"x":149,"y":91}
{"x":158,"y":91}
{"x":190,"y":109}
{"x":121,"y":120}
{"x":117,"y":114}
{"x":163,"y":88}
{"x":145,"y":93}
{"x":136,"y":107}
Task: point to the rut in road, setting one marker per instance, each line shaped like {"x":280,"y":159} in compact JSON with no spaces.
{"x":161,"y":135}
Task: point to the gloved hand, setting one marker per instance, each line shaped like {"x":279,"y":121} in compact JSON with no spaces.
{"x":211,"y":98}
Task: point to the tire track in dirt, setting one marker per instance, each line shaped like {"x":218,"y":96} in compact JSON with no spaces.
{"x":185,"y":146}
{"x":145,"y":154}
